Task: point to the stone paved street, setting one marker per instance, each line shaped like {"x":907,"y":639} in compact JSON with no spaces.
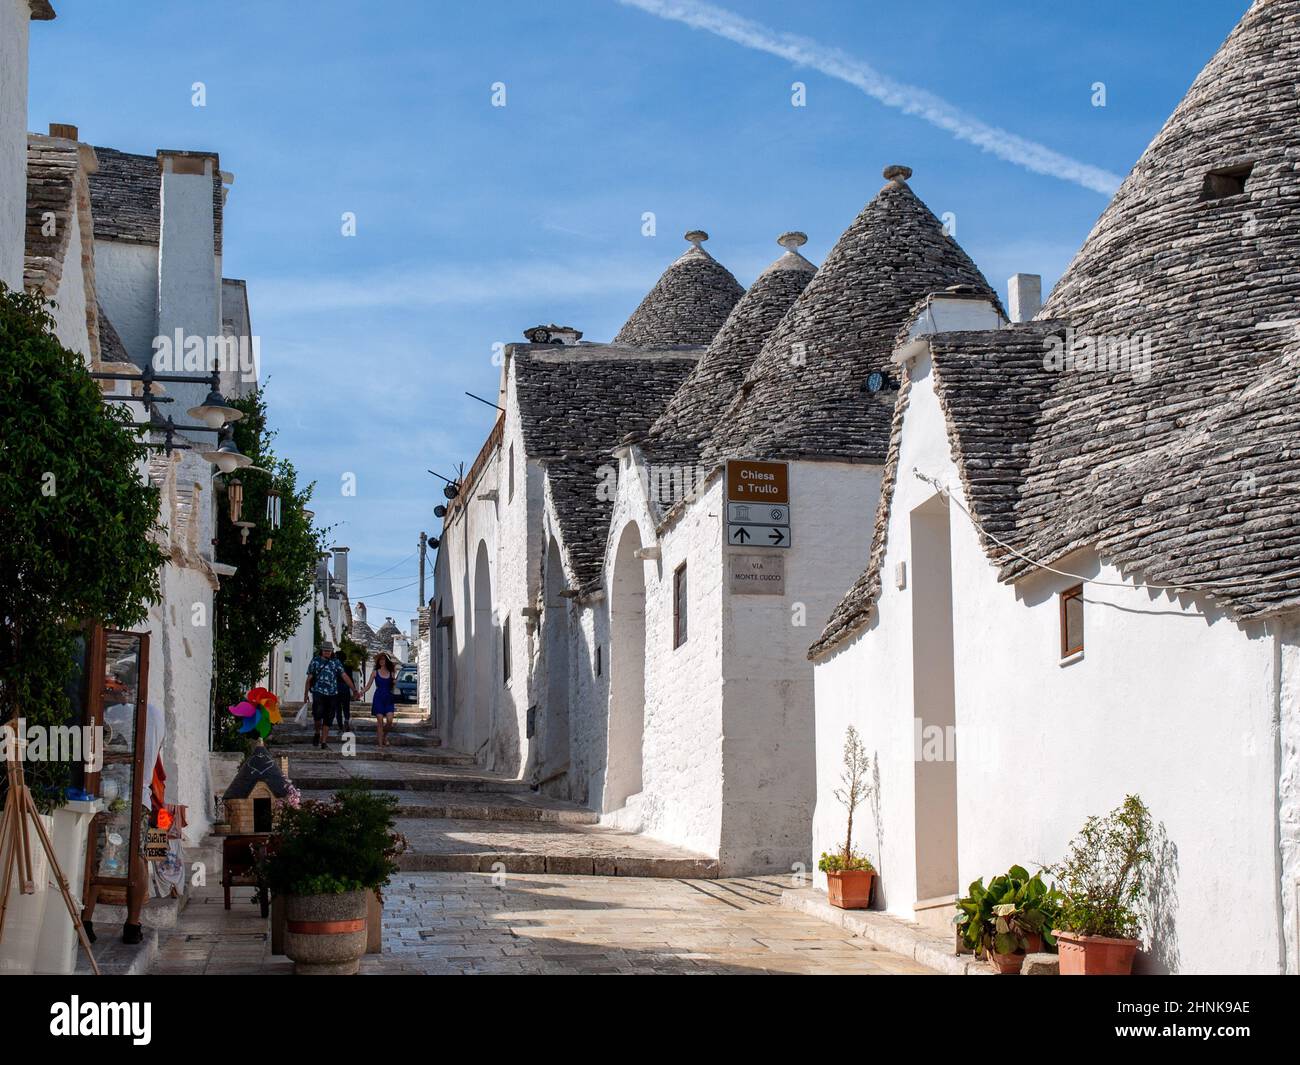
{"x":462,"y":923}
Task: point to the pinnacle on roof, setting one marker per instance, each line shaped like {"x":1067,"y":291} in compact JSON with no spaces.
{"x":679,"y":433}
{"x":804,"y":395}
{"x":688,"y":303}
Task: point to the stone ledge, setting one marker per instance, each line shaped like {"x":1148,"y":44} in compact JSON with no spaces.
{"x":891,"y":933}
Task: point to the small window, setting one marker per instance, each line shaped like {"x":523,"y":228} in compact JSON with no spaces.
{"x":679,"y":605}
{"x":505,"y":651}
{"x":1229,"y":181}
{"x":599,"y":663}
{"x":510,"y":491}
{"x":1072,"y":621}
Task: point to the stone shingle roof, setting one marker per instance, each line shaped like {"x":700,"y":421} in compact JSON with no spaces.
{"x":991,"y":387}
{"x":1183,"y":471}
{"x":53,"y":169}
{"x":687,"y":305}
{"x":126,"y":196}
{"x":680,"y":432}
{"x":111,"y":348}
{"x":386,"y":633}
{"x":575,"y":405}
{"x":805,"y":395}
{"x":42,"y":10}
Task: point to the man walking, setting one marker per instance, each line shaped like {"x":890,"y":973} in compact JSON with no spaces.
{"x":323,"y":678}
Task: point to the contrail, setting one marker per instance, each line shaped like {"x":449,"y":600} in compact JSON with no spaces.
{"x":907,"y":98}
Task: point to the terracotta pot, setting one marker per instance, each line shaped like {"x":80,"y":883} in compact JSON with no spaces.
{"x":1095,"y":955}
{"x":1009,"y":964}
{"x":850,"y":889}
{"x":325,"y":935}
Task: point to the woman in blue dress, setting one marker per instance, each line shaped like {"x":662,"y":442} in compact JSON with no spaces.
{"x":383,"y":677}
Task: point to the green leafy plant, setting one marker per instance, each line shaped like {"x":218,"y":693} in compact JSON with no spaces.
{"x":79,"y":522}
{"x":1103,"y":876}
{"x":261,"y":603}
{"x":1002,"y":916}
{"x":837,"y":863}
{"x":327,"y":848}
{"x":855,"y":789}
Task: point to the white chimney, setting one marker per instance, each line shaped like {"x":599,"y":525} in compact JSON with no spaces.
{"x":15,"y":22}
{"x":189,"y":278}
{"x":341,"y":568}
{"x":1024,"y":296}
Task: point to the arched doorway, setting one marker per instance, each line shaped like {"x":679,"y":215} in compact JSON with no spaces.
{"x":627,"y":672}
{"x":484,"y":642}
{"x":556,"y":635}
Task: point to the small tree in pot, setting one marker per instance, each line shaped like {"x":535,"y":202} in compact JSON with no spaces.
{"x":1103,"y":880}
{"x":849,"y":875}
{"x":323,"y":859}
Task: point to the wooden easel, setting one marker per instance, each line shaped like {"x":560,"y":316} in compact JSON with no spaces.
{"x":16,"y":846}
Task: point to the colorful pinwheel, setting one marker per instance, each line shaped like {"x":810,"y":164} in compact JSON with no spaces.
{"x":260,"y":711}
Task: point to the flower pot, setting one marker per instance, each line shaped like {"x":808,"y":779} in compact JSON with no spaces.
{"x":1009,"y":964}
{"x":1095,"y":955}
{"x":325,"y":935}
{"x":850,"y":889}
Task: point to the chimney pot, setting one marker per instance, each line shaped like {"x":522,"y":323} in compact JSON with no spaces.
{"x":64,"y":130}
{"x":1024,"y":296}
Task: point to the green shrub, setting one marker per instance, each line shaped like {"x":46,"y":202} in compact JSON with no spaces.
{"x":1004,"y":915}
{"x":839,"y":863}
{"x":327,"y":848}
{"x":79,"y":522}
{"x":1103,"y":877}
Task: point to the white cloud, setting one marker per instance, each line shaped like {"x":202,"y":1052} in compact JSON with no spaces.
{"x":909,"y":99}
{"x":456,"y":284}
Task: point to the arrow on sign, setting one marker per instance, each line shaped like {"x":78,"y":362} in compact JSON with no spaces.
{"x":775,"y":536}
{"x":742,"y":535}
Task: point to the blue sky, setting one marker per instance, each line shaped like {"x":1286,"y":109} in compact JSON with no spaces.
{"x":475,"y":222}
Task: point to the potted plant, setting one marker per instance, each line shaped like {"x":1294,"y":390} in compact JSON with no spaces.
{"x":1103,"y":881}
{"x":324,"y":858}
{"x":1010,"y":918}
{"x":849,"y":875}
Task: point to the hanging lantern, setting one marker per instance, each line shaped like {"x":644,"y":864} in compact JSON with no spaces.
{"x":235,"y":497}
{"x":273,"y":508}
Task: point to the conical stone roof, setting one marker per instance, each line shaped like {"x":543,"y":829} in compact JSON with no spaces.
{"x":687,"y":305}
{"x":1189,"y":286}
{"x":679,"y":434}
{"x":805,"y":395}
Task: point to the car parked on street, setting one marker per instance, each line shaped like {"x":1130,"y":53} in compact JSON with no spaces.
{"x":407,"y":688}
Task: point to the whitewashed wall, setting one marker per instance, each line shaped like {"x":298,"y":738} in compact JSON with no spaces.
{"x":126,"y":282}
{"x":15,"y":17}
{"x":70,"y":322}
{"x":1170,"y":701}
{"x":728,"y":762}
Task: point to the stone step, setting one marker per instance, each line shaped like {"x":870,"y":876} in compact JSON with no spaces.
{"x":388,"y":776}
{"x":298,"y":736}
{"x":486,"y":806}
{"x":458,"y":845}
{"x":370,"y":753}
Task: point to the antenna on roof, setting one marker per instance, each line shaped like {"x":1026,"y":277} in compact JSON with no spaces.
{"x":487,"y":401}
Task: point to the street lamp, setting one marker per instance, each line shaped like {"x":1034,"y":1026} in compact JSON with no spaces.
{"x":226,"y":456}
{"x":214,"y":412}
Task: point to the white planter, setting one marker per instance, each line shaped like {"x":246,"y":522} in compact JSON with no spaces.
{"x":56,"y":950}
{"x":25,"y":913}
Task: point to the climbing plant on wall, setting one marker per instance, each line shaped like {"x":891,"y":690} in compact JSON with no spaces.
{"x":78,"y":518}
{"x":275,"y":568}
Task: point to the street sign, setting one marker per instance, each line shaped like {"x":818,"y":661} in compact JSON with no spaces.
{"x":756,"y":574}
{"x":758,"y":535}
{"x":758,"y":504}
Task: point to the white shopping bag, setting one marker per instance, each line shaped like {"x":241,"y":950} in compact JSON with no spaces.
{"x":304,"y":712}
